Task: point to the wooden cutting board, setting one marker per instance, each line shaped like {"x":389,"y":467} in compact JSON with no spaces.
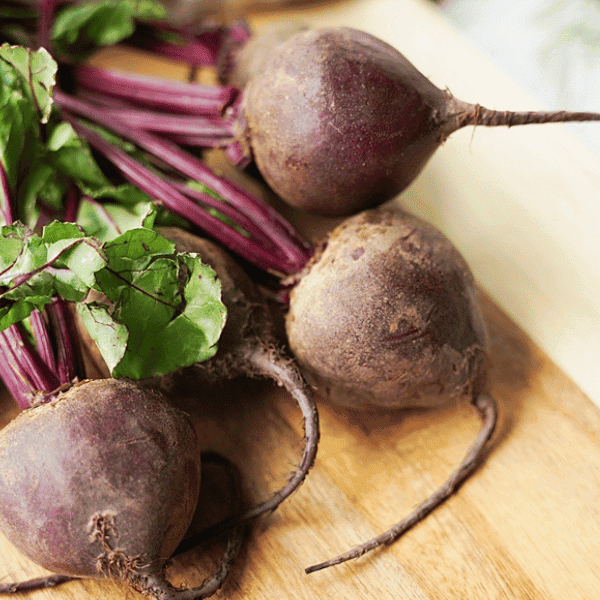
{"x":525,"y":526}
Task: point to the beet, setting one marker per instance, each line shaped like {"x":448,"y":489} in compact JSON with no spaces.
{"x":386,"y":317}
{"x":101,"y":482}
{"x":339,"y":121}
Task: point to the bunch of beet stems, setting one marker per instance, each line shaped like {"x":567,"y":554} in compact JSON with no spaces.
{"x":189,"y":114}
{"x":36,"y":372}
{"x":242,"y":222}
{"x":165,"y":117}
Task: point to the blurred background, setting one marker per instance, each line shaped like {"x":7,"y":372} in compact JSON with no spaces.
{"x":550,"y":47}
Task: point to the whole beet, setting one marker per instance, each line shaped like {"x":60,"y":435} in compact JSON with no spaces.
{"x":386,"y":317}
{"x":101,"y":482}
{"x":339,"y":121}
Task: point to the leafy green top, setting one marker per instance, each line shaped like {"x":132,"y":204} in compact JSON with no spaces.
{"x":78,"y":30}
{"x":40,"y":154}
{"x":150,"y":309}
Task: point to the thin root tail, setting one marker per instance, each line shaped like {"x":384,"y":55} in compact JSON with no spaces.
{"x":486,"y":407}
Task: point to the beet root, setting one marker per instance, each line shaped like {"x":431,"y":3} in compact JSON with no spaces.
{"x":101,"y":482}
{"x":386,"y":317}
{"x":339,"y":121}
{"x":486,"y":408}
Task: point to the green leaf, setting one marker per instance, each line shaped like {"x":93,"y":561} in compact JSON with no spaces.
{"x":38,"y":72}
{"x":37,"y":268}
{"x":57,"y":231}
{"x":60,"y":135}
{"x":177,"y":326}
{"x":150,"y":10}
{"x":27,"y":253}
{"x":8,"y":12}
{"x":109,"y":335}
{"x":70,"y":155}
{"x":70,"y":248}
{"x":162,"y":309}
{"x":80,"y":29}
{"x":171,"y":304}
{"x":134,"y":249}
{"x":27,"y":79}
{"x":201,"y":291}
{"x":19,"y":123}
{"x":106,"y":221}
{"x":15,"y":313}
{"x":42,"y":184}
{"x":11,"y":245}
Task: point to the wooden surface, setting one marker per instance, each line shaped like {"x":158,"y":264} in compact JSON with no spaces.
{"x":526,"y":526}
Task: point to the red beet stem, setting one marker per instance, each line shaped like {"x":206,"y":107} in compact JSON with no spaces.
{"x":11,"y":373}
{"x":194,"y":52}
{"x":42,"y":340}
{"x":197,"y":45}
{"x":201,"y":141}
{"x":295,"y":251}
{"x":174,"y":124}
{"x":64,"y":335}
{"x":71,"y":204}
{"x":46,"y":14}
{"x":228,"y":211}
{"x":175,"y":96}
{"x":28,"y":370}
{"x":22,"y":369}
{"x":6,"y":210}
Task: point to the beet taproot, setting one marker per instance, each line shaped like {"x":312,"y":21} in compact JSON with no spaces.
{"x":101,"y":482}
{"x":248,"y":346}
{"x":386,"y":316}
{"x":339,"y":121}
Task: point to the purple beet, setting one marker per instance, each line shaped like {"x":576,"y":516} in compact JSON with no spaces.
{"x":101,"y":482}
{"x":338,"y":121}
